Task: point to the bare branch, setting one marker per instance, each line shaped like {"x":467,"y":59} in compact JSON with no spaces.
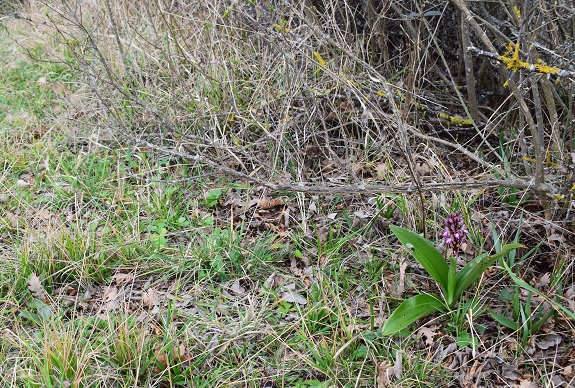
{"x":516,"y":64}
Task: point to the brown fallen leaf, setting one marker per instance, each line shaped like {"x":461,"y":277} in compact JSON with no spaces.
{"x":550,"y":341}
{"x":268,"y":203}
{"x":110,"y":293}
{"x":294,"y":297}
{"x":312,"y":208}
{"x":237,"y":289}
{"x":362,"y":214}
{"x":12,"y":218}
{"x":45,"y":214}
{"x":22,"y":183}
{"x":398,"y":365}
{"x":527,"y":383}
{"x":35,"y":285}
{"x":568,"y":372}
{"x":59,"y":87}
{"x":39,"y":132}
{"x":150,"y":298}
{"x":385,"y":373}
{"x":428,"y":334}
{"x":544,"y":280}
{"x":401,"y":282}
{"x":123,"y":278}
{"x":166,"y":357}
{"x":511,"y":372}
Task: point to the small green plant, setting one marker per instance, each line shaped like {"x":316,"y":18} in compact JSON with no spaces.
{"x":452,"y":283}
{"x":311,"y":384}
{"x":460,"y":322}
{"x":158,"y":232}
{"x":285,"y":307}
{"x":213,"y":197}
{"x":524,"y":320}
{"x":37,"y":312}
{"x":521,"y":283}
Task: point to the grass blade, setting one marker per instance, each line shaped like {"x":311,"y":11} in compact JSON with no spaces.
{"x":503,"y":320}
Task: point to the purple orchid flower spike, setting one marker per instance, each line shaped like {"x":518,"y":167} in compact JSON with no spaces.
{"x":454,"y":232}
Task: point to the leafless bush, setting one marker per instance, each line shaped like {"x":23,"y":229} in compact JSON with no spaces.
{"x":308,"y":95}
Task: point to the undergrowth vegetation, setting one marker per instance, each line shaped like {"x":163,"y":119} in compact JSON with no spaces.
{"x":203,"y":193}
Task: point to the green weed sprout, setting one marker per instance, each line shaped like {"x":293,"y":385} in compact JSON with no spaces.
{"x":452,"y":283}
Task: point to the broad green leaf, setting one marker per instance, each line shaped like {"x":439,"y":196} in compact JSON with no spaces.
{"x":411,"y":310}
{"x":522,"y":283}
{"x":473,"y":270}
{"x":503,"y":320}
{"x":425,"y":253}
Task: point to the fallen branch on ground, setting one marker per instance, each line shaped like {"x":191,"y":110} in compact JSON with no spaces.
{"x":409,"y":188}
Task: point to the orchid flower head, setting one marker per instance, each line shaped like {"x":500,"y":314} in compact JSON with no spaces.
{"x":455,"y":231}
